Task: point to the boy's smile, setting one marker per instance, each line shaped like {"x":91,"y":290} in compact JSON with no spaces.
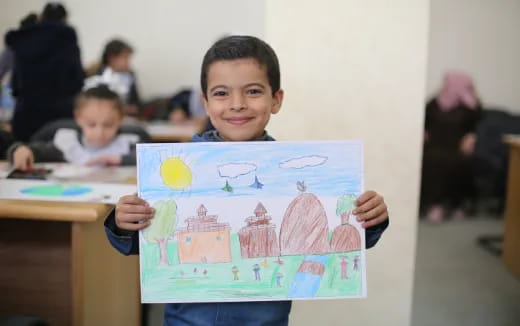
{"x":239,"y":99}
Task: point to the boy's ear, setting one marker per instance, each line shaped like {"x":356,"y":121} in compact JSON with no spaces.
{"x":205,"y":101}
{"x":277,"y":101}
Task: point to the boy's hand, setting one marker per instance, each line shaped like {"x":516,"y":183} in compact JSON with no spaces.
{"x":23,"y":158}
{"x":130,"y":211}
{"x":105,"y":160}
{"x":371,"y":209}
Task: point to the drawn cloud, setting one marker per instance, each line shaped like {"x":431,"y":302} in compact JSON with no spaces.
{"x":303,"y":162}
{"x":233,"y":170}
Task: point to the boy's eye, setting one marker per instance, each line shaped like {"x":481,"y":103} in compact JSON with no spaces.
{"x":254,"y":91}
{"x":219,"y":93}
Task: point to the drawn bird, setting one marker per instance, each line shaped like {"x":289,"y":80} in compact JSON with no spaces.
{"x":301,"y":186}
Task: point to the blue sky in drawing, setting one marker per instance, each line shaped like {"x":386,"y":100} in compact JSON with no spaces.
{"x":342,"y":171}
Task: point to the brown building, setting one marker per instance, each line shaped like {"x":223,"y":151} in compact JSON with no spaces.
{"x":204,"y":240}
{"x":258,"y":237}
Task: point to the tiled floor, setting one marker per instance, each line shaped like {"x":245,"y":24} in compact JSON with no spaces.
{"x":459,"y":283}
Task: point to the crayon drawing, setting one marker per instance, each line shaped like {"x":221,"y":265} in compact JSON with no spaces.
{"x":251,"y":221}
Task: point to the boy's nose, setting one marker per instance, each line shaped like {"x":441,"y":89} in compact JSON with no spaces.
{"x":238,"y":103}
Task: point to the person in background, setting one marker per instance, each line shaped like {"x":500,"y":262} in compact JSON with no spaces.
{"x":449,"y":142}
{"x":7,"y":55}
{"x":47,"y":73}
{"x":187,"y":107}
{"x":99,"y":141}
{"x":115,"y":70}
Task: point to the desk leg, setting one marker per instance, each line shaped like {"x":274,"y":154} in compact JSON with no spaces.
{"x":511,"y":252}
{"x":105,"y":283}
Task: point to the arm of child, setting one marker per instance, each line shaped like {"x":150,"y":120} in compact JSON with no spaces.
{"x":109,"y":160}
{"x":23,"y":158}
{"x":372,"y":211}
{"x":130,"y":215}
{"x":27,"y":154}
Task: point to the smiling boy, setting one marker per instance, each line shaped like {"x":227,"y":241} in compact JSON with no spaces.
{"x":240,"y":81}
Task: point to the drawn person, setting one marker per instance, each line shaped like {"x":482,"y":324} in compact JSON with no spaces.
{"x":279,"y":276}
{"x":205,"y":272}
{"x":344,"y":265}
{"x":195,"y":270}
{"x":356,"y":260}
{"x":256,"y":269}
{"x":234,"y":270}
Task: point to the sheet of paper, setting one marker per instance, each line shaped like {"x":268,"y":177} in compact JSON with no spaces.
{"x":251,"y":221}
{"x":63,"y":191}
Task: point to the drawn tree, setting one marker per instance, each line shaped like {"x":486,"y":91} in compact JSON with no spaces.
{"x":162,"y":226}
{"x":345,"y":206}
{"x":345,"y":237}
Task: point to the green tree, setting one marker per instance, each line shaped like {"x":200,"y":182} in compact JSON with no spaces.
{"x":162,"y":227}
{"x":345,"y":206}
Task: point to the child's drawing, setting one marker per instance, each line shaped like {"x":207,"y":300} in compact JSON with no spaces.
{"x":251,"y":221}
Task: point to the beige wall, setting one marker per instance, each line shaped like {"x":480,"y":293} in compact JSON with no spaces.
{"x":170,"y":36}
{"x":357,"y":69}
{"x":481,"y":37}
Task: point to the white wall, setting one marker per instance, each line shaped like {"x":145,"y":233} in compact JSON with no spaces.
{"x":169,"y":36}
{"x":481,"y":37}
{"x":357,"y":69}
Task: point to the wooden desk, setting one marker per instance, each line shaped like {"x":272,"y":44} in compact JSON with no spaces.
{"x":57,"y":263}
{"x":166,"y":132}
{"x":511,"y":247}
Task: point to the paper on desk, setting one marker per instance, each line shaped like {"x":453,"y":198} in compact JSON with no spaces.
{"x":108,"y":193}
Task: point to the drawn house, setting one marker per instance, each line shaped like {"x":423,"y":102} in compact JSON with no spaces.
{"x":203,"y":239}
{"x":258,"y":237}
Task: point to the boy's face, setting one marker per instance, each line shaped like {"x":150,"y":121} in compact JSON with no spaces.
{"x":99,"y":121}
{"x":239,"y":99}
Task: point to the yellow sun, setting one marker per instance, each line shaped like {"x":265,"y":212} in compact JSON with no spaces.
{"x":175,"y":173}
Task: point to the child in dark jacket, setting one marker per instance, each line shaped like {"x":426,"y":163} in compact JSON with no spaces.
{"x":240,"y":81}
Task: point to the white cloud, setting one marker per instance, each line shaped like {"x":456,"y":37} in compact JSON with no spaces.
{"x":303,"y":162}
{"x":233,"y":170}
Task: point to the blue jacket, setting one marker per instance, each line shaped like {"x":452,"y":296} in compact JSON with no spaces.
{"x":274,"y":313}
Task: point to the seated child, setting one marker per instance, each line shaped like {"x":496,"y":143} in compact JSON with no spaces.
{"x":240,"y":82}
{"x":115,"y":70}
{"x":99,"y":114}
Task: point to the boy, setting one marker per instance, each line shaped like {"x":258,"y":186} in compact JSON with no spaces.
{"x":240,"y":81}
{"x":99,"y":115}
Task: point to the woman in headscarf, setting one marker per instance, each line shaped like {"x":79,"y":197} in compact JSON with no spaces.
{"x":449,"y":141}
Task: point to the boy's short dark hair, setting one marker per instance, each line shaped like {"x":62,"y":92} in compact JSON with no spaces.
{"x":113,"y":48}
{"x":100,"y":92}
{"x":242,"y":47}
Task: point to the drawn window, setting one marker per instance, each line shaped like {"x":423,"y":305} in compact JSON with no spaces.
{"x":269,"y":233}
{"x":188,"y":239}
{"x":219,"y":238}
{"x":253,"y":235}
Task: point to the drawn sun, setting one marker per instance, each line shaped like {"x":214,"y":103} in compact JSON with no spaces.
{"x":175,"y":173}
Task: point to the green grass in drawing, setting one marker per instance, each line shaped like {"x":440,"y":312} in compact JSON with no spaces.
{"x":192,"y":281}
